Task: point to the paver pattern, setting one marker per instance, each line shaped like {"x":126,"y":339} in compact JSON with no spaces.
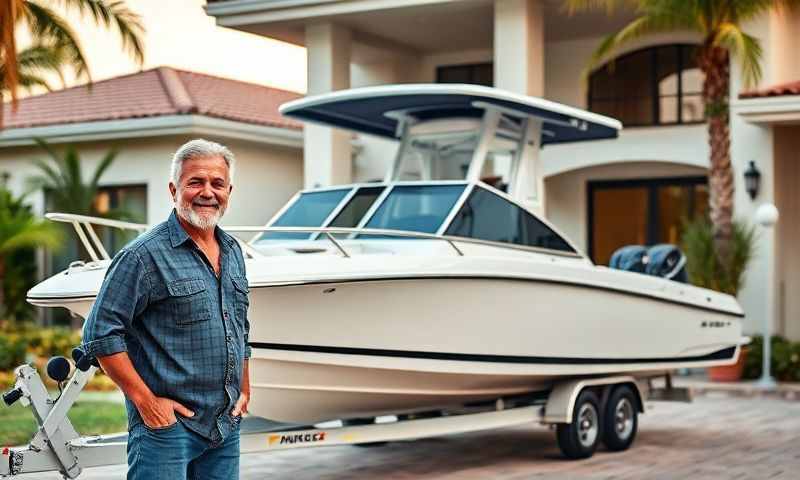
{"x":717,"y":437}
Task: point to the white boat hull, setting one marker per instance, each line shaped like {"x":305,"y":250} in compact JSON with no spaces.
{"x":375,"y":334}
{"x":366,"y":348}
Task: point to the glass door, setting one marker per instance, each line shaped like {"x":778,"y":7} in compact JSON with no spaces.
{"x":641,"y":212}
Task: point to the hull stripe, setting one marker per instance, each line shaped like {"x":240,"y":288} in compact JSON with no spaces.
{"x":724,"y":354}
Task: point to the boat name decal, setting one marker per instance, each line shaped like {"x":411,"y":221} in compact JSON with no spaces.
{"x":297,"y":438}
{"x":715,"y":324}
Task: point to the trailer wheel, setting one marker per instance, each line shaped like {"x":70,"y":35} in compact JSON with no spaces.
{"x":620,"y":419}
{"x":579,"y":438}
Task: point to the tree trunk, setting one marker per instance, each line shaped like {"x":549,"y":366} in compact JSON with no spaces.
{"x":714,"y":62}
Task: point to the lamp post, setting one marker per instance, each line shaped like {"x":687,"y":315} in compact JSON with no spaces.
{"x":767,"y":216}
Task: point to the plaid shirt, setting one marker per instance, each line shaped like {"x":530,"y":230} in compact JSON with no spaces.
{"x":184,"y":328}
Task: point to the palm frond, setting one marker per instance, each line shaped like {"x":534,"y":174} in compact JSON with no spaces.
{"x":744,"y":47}
{"x":106,"y":162}
{"x":47,"y":27}
{"x":42,"y":59}
{"x":116,"y":13}
{"x":636,"y":29}
{"x":62,"y":179}
{"x":30,"y":81}
{"x":32,"y":234}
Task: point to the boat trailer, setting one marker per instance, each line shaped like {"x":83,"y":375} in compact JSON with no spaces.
{"x":57,"y":446}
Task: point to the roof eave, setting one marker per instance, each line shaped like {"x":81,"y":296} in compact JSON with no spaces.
{"x":769,"y":110}
{"x":158,"y":126}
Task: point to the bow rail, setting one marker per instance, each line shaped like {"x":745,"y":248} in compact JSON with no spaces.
{"x":83,"y":225}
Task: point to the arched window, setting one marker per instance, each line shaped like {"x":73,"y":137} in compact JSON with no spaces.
{"x":654,"y":86}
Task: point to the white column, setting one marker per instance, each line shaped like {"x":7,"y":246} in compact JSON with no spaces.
{"x":519,"y":46}
{"x":326,"y":151}
{"x":519,"y":68}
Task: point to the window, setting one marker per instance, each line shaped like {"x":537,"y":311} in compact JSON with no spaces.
{"x":127,"y":202}
{"x":654,"y":86}
{"x":416,"y":208}
{"x":310,"y":210}
{"x":357,"y":207}
{"x":477,"y":74}
{"x":641,"y":212}
{"x":488,"y":216}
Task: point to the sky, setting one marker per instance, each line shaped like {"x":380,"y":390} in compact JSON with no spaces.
{"x":181,"y":35}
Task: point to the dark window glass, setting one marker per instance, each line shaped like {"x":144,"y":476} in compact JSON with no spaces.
{"x":478,"y":74}
{"x":488,"y":216}
{"x":310,"y":210}
{"x":653,"y":86}
{"x":416,"y":208}
{"x":355,"y":209}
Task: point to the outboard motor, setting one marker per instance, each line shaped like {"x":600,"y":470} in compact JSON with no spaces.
{"x":663,"y":260}
{"x":631,"y":258}
{"x":667,"y":261}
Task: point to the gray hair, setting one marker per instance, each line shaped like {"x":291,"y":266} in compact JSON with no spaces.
{"x":200,"y":148}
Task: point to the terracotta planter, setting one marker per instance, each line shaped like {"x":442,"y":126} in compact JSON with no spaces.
{"x":728,"y":373}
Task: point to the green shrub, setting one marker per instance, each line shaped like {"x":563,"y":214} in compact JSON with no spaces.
{"x":12,"y":352}
{"x":784,"y":364}
{"x":703,"y":264}
{"x":20,"y":340}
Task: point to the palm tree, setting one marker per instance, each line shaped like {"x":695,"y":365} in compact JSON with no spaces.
{"x":719,"y":22}
{"x":20,"y":230}
{"x":33,"y":64}
{"x":62,"y":179}
{"x":56,"y":45}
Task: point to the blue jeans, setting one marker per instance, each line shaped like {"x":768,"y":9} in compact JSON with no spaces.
{"x":177,"y":453}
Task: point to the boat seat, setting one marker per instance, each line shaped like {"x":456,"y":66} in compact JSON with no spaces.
{"x":662,"y":260}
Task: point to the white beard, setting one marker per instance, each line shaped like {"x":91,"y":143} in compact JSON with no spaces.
{"x":203,"y":222}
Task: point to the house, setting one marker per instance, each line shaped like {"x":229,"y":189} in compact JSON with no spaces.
{"x":603,"y":194}
{"x":147,"y":116}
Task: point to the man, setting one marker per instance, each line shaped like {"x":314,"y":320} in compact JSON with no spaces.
{"x":170,"y":327}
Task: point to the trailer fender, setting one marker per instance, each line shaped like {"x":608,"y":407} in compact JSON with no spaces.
{"x":561,"y":401}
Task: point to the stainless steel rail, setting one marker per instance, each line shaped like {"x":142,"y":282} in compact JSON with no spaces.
{"x":83,"y":226}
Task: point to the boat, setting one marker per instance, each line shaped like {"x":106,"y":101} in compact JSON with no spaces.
{"x":442,"y":285}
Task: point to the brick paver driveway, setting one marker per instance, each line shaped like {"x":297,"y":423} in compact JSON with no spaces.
{"x":715,"y":437}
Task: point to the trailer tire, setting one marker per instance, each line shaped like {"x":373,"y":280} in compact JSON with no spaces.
{"x":620,"y":418}
{"x":579,"y":438}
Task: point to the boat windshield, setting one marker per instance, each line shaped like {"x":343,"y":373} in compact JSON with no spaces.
{"x":416,"y":208}
{"x":310,"y":210}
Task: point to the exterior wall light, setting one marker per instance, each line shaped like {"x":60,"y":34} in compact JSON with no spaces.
{"x":752,"y":180}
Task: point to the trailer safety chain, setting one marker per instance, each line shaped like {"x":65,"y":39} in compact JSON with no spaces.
{"x":15,"y":462}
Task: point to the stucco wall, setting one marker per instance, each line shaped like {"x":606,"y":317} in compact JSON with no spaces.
{"x":566,"y":193}
{"x":787,"y":199}
{"x":266,"y":176}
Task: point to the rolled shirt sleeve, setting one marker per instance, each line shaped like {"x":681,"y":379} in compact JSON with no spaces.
{"x":122,"y":297}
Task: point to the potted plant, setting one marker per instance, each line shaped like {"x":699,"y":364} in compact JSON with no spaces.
{"x":707,"y":269}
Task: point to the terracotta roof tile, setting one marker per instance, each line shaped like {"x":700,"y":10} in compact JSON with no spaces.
{"x":791,"y":88}
{"x":151,"y":93}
